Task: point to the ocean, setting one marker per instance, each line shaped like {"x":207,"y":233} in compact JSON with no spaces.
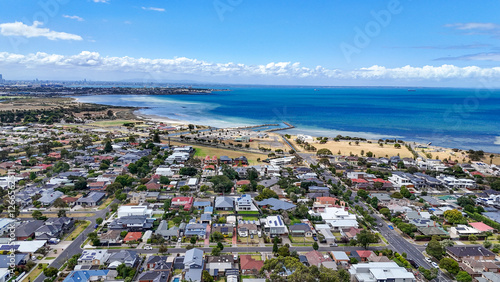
{"x":448,"y":117}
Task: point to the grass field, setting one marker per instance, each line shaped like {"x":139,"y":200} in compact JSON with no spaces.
{"x":106,"y":203}
{"x":34,"y":273}
{"x":78,"y":229}
{"x":202,"y":151}
{"x":257,"y":257}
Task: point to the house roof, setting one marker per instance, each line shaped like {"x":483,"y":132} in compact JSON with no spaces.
{"x":249,"y":263}
{"x":132,"y":236}
{"x":84,"y":275}
{"x":364,"y":253}
{"x":276,"y":204}
{"x":481,"y":226}
{"x":316,"y":258}
{"x":224,"y":202}
{"x":469,"y":251}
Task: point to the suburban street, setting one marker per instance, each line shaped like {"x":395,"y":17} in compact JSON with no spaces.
{"x":401,"y":245}
{"x":74,"y":247}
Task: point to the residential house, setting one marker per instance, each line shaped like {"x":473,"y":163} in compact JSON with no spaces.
{"x":226,"y":229}
{"x":249,"y":265}
{"x":127,"y":257}
{"x":92,"y":199}
{"x":93,"y":257}
{"x":276,"y":205}
{"x":110,"y":237}
{"x":217,"y":265}
{"x":132,"y":237}
{"x":49,"y":197}
{"x":245,"y":203}
{"x":195,"y":229}
{"x":380,"y":271}
{"x":165,"y":232}
{"x":132,"y":223}
{"x":462,"y":252}
{"x":154,"y":276}
{"x":300,"y":230}
{"x":27,"y":229}
{"x":224,"y":203}
{"x":87,"y":275}
{"x":134,"y":211}
{"x":182,"y":202}
{"x":316,"y":258}
{"x":274,"y":225}
{"x":246,"y":228}
{"x":193,"y":265}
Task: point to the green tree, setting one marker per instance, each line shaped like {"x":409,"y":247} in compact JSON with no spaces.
{"x":315,"y":246}
{"x":220,"y":246}
{"x":61,"y":213}
{"x":434,"y":248}
{"x":99,"y":220}
{"x":453,"y":216}
{"x":449,"y":265}
{"x":50,"y":271}
{"x":463,"y":276}
{"x":37,"y":214}
{"x":284,"y":251}
{"x":164,"y":180}
{"x":215,"y":251}
{"x":156,"y":138}
{"x":405,"y":192}
{"x":363,"y":194}
{"x":222,"y":183}
{"x":275,"y":246}
{"x":324,"y":152}
{"x":59,"y":203}
{"x":365,"y":238}
{"x":266,"y":194}
{"x":193,"y":240}
{"x":108,"y":147}
{"x":207,"y":277}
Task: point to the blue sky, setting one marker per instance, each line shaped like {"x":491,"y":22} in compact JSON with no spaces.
{"x":417,"y":43}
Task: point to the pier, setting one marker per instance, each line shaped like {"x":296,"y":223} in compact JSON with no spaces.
{"x":289,"y":126}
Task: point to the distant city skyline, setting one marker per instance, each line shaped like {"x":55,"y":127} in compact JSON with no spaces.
{"x":283,"y":42}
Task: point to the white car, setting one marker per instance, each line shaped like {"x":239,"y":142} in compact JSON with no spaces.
{"x":148,"y":248}
{"x":435,"y":265}
{"x":428,"y":260}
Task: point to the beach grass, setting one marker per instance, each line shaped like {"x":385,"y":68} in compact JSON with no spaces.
{"x":105,"y":123}
{"x":202,"y":151}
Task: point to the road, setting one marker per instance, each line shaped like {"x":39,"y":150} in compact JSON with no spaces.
{"x":401,"y":245}
{"x":74,"y":248}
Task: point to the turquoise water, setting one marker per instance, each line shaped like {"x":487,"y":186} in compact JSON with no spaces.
{"x":458,"y":118}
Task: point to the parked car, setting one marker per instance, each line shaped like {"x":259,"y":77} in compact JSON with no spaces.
{"x":95,"y":227}
{"x":333,"y":245}
{"x":428,"y":260}
{"x":148,"y":248}
{"x":315,"y":238}
{"x":390,"y":227}
{"x":413,"y":263}
{"x":435,"y":265}
{"x":179,"y":240}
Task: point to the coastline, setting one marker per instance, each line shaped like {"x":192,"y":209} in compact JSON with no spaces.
{"x":158,"y":118}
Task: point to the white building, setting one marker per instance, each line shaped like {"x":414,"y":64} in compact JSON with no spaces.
{"x":339,"y":218}
{"x":133,"y":210}
{"x":452,"y":182}
{"x":165,"y":171}
{"x":281,"y":161}
{"x":274,"y":225}
{"x":380,"y":272}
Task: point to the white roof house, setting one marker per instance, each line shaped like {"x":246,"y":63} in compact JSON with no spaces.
{"x":134,"y":210}
{"x":380,"y":271}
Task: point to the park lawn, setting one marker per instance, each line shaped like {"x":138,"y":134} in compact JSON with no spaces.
{"x":294,"y":220}
{"x":106,"y":203}
{"x":34,"y":273}
{"x":248,"y":212}
{"x":251,"y":218}
{"x":78,"y":229}
{"x":202,"y":152}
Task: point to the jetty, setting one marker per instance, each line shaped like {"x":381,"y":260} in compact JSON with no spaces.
{"x":289,"y":126}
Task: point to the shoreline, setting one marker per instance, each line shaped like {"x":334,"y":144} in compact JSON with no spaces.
{"x":296,"y":129}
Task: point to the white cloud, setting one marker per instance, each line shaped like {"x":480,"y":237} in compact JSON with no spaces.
{"x":93,"y":61}
{"x":74,"y":18}
{"x":21,"y":29}
{"x":101,"y":1}
{"x":153,"y":9}
{"x":472,"y":26}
